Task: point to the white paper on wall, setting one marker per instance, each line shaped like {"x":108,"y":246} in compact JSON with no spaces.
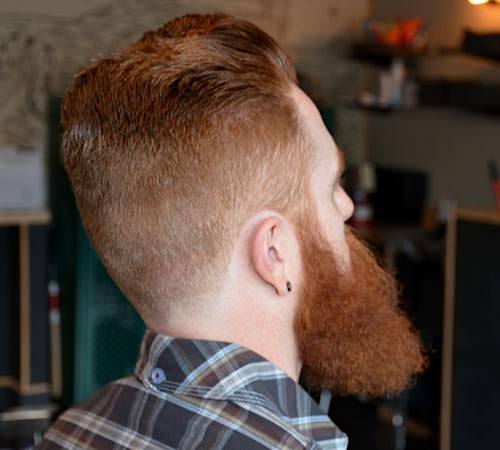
{"x":22,"y":178}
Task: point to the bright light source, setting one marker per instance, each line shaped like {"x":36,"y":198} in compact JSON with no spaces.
{"x":478,"y":2}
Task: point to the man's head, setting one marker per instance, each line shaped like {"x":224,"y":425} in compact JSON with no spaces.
{"x":171,"y":144}
{"x":206,"y":180}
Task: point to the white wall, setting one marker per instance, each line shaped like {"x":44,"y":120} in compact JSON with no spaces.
{"x":66,"y":34}
{"x":452,"y":146}
{"x":56,"y":7}
{"x":310,"y":20}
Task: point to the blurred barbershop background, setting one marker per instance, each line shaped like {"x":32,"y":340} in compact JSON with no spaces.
{"x":411,"y":93}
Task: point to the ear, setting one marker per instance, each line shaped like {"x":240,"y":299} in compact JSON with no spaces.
{"x":268,"y":253}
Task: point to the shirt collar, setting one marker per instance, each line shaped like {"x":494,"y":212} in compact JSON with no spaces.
{"x":228,"y":371}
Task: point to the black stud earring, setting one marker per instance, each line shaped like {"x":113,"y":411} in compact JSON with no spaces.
{"x":289,"y":286}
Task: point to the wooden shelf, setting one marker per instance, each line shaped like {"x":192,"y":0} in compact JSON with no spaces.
{"x":24,"y":217}
{"x":483,"y":216}
{"x":384,"y":54}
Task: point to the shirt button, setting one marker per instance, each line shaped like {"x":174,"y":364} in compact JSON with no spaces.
{"x":158,"y":376}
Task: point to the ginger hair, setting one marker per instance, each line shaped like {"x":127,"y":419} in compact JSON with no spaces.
{"x":172,"y":143}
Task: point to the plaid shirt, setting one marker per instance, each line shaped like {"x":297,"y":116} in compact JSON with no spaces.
{"x":197,"y":394}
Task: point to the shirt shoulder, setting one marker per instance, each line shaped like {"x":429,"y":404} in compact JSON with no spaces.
{"x":125,"y":414}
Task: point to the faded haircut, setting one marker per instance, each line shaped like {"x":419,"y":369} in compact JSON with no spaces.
{"x":172,"y":143}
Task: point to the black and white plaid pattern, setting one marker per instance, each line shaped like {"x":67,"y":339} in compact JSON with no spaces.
{"x":197,"y":394}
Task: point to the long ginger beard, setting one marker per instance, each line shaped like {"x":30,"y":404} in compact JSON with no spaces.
{"x":353,"y":337}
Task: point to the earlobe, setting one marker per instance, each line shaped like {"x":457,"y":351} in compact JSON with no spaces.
{"x":267,"y":254}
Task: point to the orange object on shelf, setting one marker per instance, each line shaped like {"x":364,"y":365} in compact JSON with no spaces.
{"x":401,"y":33}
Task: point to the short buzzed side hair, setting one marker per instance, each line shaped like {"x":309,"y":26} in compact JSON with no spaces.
{"x":172,"y":143}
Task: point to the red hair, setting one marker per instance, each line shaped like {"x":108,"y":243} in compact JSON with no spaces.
{"x":172,"y":143}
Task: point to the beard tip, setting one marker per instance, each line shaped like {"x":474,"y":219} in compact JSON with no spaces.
{"x":352,"y":322}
